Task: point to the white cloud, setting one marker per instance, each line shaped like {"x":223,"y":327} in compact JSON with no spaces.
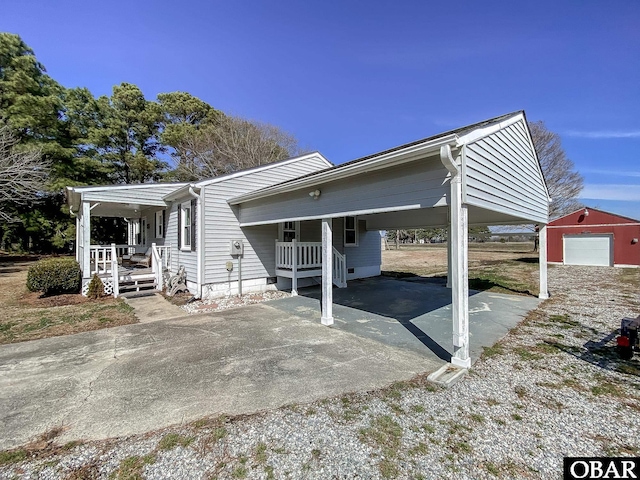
{"x":604,"y":133}
{"x":629,"y":193}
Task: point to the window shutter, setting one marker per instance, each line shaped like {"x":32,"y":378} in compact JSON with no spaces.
{"x":194,"y":204}
{"x":164,"y":223}
{"x":179,"y":226}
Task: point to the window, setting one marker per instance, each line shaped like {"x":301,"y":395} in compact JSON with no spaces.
{"x":350,"y":231}
{"x":160,"y":224}
{"x":185,"y":222}
{"x":289,"y":231}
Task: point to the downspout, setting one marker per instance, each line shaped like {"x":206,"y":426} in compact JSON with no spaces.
{"x":199,"y":239}
{"x":447,"y":160}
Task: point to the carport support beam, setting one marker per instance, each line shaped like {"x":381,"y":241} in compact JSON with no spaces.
{"x":327,"y":273}
{"x":459,"y":237}
{"x":542,"y":252}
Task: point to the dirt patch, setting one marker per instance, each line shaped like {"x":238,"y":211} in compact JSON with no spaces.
{"x":29,"y":316}
{"x":36,"y":300}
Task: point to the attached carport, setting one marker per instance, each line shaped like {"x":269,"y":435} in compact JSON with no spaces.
{"x":487,"y":173}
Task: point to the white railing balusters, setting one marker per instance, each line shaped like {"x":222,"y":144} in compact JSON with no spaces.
{"x":296,"y":256}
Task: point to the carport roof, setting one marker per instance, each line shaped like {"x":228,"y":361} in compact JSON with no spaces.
{"x":386,"y":156}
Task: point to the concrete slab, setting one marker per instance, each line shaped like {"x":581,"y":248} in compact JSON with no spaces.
{"x":141,"y":377}
{"x":414,"y":315}
{"x":150,"y":307}
{"x":136,"y":378}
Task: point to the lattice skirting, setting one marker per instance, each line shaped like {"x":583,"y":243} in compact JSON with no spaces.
{"x":107,"y":282}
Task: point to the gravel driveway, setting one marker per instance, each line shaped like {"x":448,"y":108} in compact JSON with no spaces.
{"x":553,"y":387}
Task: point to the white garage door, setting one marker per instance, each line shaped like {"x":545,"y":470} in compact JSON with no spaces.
{"x":588,"y":250}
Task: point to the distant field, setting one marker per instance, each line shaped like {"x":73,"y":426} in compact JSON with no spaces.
{"x":507,"y":267}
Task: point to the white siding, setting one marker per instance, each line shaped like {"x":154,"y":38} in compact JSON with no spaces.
{"x":221,"y":223}
{"x":416,"y":184}
{"x":181,"y":257}
{"x":501,"y":174}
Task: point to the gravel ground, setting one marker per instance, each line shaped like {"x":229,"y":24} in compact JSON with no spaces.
{"x":232,"y":301}
{"x":553,"y":387}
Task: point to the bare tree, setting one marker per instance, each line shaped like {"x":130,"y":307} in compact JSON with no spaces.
{"x":563,"y":181}
{"x":23,"y":174}
{"x":233,"y":144}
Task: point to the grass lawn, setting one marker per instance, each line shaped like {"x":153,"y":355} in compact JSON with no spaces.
{"x":27,"y":316}
{"x":493,"y":266}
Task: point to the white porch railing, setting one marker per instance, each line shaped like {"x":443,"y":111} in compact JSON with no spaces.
{"x":100,"y":256}
{"x":339,"y":269}
{"x":297,"y":256}
{"x":160,"y":261}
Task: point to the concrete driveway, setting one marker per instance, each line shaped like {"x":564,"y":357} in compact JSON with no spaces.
{"x":136,"y":378}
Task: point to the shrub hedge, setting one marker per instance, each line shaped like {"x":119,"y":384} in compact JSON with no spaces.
{"x":54,"y":276}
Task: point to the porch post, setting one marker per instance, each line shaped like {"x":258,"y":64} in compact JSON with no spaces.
{"x":327,"y":274}
{"x":460,"y":276}
{"x":78,"y":227}
{"x":294,"y":268}
{"x":86,"y":239}
{"x":542,"y":252}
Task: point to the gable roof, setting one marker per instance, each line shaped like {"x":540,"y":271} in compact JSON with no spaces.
{"x":582,"y":209}
{"x":455,"y":138}
{"x":181,"y":188}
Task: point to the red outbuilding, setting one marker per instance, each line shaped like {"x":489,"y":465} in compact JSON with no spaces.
{"x":593,"y":237}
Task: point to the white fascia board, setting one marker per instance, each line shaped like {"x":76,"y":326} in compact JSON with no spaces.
{"x":482,"y":132}
{"x":268,"y":166}
{"x":375,"y":163}
{"x":123,"y":187}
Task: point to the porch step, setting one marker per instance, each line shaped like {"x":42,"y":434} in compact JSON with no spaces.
{"x":137,"y":285}
{"x":135,"y":294}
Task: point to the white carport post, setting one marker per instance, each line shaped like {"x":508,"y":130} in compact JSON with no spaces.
{"x":327,"y":273}
{"x":449,"y":255}
{"x":542,"y":252}
{"x":459,"y":237}
{"x":86,"y":239}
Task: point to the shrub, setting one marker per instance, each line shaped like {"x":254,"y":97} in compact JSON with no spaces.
{"x":54,"y":276}
{"x":96,"y":287}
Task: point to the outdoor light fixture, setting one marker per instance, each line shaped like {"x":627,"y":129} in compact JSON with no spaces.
{"x":586,"y":212}
{"x":315,"y":194}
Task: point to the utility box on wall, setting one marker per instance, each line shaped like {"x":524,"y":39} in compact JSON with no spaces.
{"x":237,"y":247}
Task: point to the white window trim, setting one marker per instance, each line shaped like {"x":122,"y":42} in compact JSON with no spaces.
{"x":159,"y":223}
{"x":185,"y":244}
{"x":281,"y":231}
{"x":344,"y":232}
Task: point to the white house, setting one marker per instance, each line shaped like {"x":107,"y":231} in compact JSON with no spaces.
{"x":305,"y":220}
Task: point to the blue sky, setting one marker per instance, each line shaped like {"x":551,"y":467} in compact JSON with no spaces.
{"x":351,"y":78}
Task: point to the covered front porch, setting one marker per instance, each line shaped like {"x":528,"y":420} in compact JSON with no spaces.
{"x":142,"y":263}
{"x":127,"y":268}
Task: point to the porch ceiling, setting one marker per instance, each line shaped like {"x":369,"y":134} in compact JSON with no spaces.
{"x":129,"y":210}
